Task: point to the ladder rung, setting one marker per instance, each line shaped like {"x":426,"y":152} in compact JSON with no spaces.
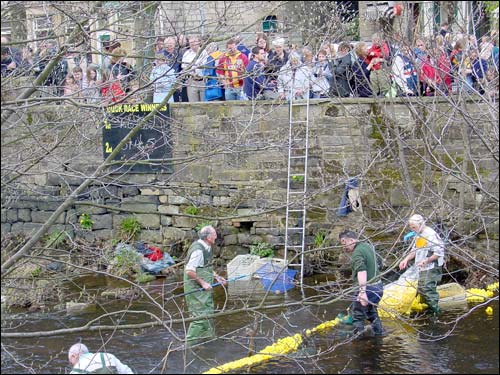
{"x":299,"y":122}
{"x":297,"y":192}
{"x":295,"y":210}
{"x":295,"y":228}
{"x":297,"y":157}
{"x":294,"y":264}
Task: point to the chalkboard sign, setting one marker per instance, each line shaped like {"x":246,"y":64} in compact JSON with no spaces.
{"x":147,"y":151}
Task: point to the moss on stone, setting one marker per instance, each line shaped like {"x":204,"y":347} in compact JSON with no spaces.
{"x":375,"y":134}
{"x":451,"y":161}
{"x":377,"y":119}
{"x":484,"y":172}
{"x":392,"y":173}
{"x":316,"y":214}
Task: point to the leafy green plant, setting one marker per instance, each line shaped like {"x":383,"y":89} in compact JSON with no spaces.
{"x":296,"y":178}
{"x":490,"y":7}
{"x":130,"y":228}
{"x":319,"y":239}
{"x":36,"y":272}
{"x":262,"y":249}
{"x":126,"y":261}
{"x":85,"y":222}
{"x":143,"y":277}
{"x":56,"y":239}
{"x":202,"y":224}
{"x":353,"y":29}
{"x":192,"y":210}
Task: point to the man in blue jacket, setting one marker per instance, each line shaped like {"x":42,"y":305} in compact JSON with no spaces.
{"x":255,"y":79}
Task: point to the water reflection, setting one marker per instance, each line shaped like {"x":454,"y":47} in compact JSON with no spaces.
{"x":420,"y":346}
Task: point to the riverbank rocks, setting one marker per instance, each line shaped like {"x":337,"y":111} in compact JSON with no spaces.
{"x":121,"y":293}
{"x":75,"y":308}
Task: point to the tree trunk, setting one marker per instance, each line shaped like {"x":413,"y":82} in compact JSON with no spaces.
{"x":144,"y":28}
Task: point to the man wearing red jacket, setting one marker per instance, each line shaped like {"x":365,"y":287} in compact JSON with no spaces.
{"x":232,"y":70}
{"x":380,"y":53}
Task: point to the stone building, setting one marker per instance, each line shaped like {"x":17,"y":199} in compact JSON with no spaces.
{"x":423,"y":18}
{"x":136,"y":24}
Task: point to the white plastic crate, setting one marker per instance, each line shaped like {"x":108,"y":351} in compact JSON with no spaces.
{"x":278,"y":264}
{"x":242,"y":265}
{"x":247,"y":264}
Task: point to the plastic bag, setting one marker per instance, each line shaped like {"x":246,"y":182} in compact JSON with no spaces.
{"x":399,"y":295}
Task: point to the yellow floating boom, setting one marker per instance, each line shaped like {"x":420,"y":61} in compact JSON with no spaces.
{"x":281,"y":347}
{"x":390,"y":306}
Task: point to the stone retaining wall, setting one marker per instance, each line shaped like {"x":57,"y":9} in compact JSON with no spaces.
{"x":230,"y":168}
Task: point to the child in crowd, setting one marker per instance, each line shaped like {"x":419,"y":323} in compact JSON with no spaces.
{"x":71,"y":88}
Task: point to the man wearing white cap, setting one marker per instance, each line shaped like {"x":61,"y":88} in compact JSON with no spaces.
{"x":277,"y":58}
{"x":428,"y":251}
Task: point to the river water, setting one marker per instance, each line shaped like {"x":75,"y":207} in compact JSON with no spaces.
{"x":463,"y":340}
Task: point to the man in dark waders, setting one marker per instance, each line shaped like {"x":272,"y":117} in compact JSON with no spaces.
{"x":198,"y":272}
{"x":365,"y":275}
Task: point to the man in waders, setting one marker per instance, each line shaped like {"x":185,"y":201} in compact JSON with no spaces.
{"x":84,"y":362}
{"x":370,"y":288}
{"x":198,"y":272}
{"x":428,"y":251}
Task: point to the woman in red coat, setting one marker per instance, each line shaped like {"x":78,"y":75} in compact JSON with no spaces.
{"x":429,"y":77}
{"x":111,"y":90}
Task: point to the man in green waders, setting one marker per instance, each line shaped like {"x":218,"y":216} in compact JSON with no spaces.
{"x":428,"y":252}
{"x":198,"y":272}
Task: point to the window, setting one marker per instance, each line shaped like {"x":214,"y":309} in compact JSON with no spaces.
{"x":124,"y":21}
{"x":42,"y":27}
{"x":376,"y":10}
{"x":270,"y":24}
{"x":6,"y":28}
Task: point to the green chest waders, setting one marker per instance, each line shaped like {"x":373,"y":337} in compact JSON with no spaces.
{"x":199,"y":304}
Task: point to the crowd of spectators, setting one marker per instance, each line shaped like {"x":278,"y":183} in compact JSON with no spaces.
{"x":196,"y":70}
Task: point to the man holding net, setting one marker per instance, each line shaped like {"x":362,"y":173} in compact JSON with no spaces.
{"x":198,"y":272}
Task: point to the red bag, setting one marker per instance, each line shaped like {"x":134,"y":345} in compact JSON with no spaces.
{"x":156,"y":255}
